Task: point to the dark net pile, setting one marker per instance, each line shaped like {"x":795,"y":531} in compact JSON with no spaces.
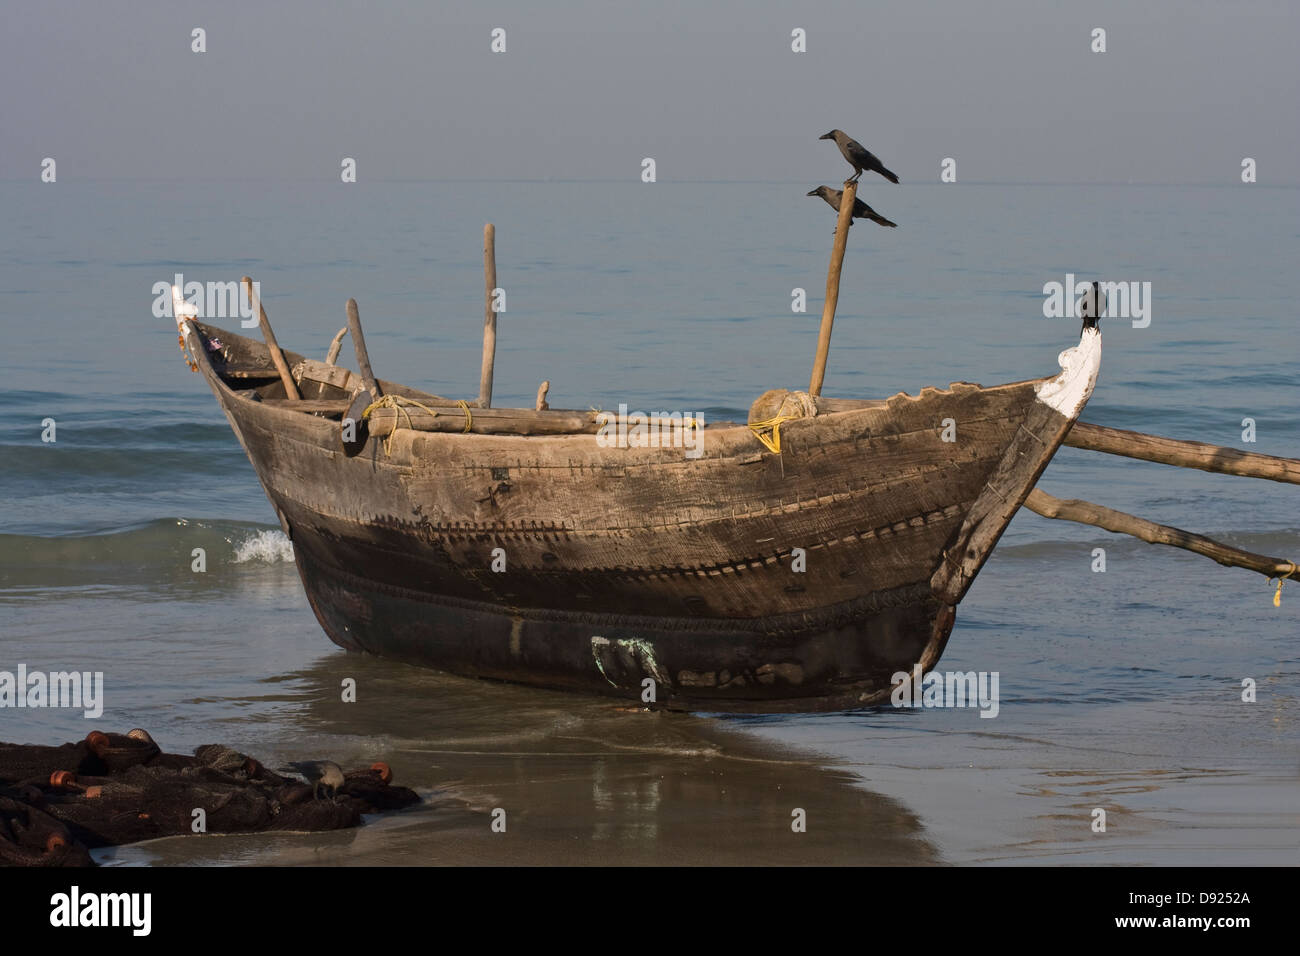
{"x":56,"y":803}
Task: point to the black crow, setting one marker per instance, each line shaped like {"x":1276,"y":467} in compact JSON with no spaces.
{"x":860,"y":209}
{"x":859,"y":156}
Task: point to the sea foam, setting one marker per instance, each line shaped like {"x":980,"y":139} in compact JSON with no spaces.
{"x":268,"y":546}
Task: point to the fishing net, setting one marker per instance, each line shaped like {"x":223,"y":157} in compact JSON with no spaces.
{"x":111,"y":789}
{"x":30,"y":837}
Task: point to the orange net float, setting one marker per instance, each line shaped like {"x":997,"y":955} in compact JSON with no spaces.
{"x":64,"y":780}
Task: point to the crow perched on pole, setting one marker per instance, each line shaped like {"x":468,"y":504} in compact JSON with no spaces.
{"x":859,"y":157}
{"x":860,"y":209}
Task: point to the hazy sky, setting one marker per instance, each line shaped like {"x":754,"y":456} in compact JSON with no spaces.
{"x":711,"y":90}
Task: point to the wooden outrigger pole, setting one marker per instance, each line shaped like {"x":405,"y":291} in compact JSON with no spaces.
{"x":1182,"y":454}
{"x":1099,"y":516}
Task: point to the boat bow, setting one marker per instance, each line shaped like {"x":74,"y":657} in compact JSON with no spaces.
{"x":1059,"y":401}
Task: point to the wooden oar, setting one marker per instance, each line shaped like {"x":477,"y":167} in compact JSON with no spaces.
{"x":277,"y":357}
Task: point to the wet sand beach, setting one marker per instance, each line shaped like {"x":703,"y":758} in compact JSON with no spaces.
{"x":1184,"y":769}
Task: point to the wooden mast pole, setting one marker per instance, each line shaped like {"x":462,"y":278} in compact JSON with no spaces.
{"x":489,"y":316}
{"x":833,"y":287}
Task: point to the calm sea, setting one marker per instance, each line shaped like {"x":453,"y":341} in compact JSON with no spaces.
{"x":1119,"y":690}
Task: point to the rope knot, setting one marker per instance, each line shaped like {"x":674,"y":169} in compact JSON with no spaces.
{"x":775,"y":407}
{"x":1281,"y":579}
{"x":401,"y":403}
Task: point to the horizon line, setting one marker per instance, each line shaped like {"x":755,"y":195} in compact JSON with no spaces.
{"x":630,"y":181}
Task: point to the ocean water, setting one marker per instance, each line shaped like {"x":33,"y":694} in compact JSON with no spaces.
{"x":1119,"y":690}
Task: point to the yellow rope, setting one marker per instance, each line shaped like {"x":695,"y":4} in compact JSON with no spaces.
{"x":1277,"y":595}
{"x":469,"y":419}
{"x":774,"y":443}
{"x":400,"y":403}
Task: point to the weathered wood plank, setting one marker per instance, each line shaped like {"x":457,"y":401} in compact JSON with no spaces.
{"x":235,"y":371}
{"x":826,"y":406}
{"x":314,"y":406}
{"x":323,"y":373}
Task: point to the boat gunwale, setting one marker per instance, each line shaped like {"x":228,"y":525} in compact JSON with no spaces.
{"x":719,"y":430}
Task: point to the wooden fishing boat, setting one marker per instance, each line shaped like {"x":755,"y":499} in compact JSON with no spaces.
{"x":797,"y":561}
{"x":797,"y":573}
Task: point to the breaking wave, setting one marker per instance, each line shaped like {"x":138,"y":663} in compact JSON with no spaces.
{"x":267,"y":546}
{"x":162,"y":553}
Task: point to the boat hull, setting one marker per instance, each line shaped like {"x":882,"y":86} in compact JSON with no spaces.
{"x":842,"y":659}
{"x":739,"y":579}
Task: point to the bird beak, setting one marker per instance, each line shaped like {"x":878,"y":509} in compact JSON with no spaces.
{"x":827,"y":136}
{"x":814,"y":193}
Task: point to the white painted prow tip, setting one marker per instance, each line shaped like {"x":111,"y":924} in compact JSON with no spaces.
{"x":182,"y":310}
{"x":1069,"y":391}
